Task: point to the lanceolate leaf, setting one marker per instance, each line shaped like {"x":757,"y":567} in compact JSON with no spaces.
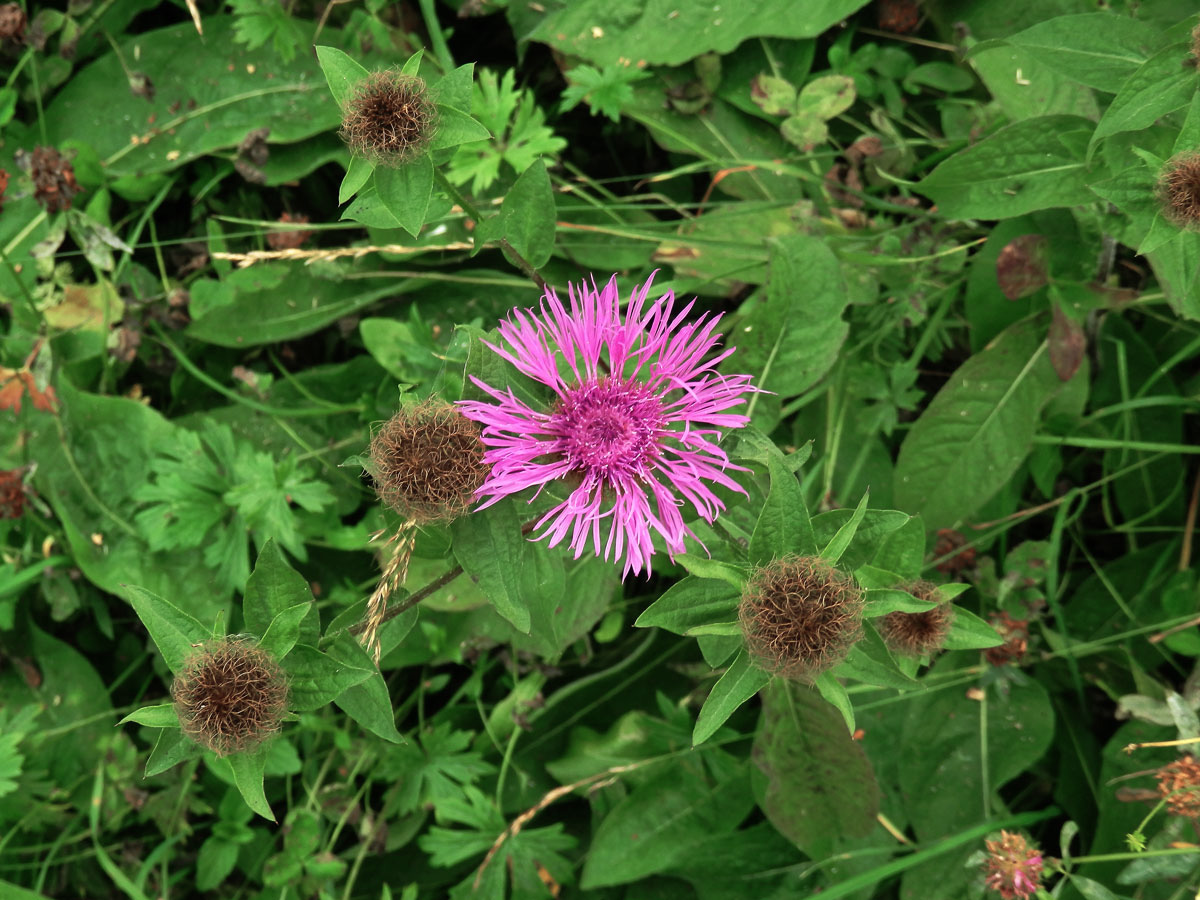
{"x":741,"y":681}
{"x":978,"y":430}
{"x":692,"y":602}
{"x":1161,"y":85}
{"x":783,"y":526}
{"x":175,"y":632}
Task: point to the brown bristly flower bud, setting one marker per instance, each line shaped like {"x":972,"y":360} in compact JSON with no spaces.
{"x":12,"y":493}
{"x":800,"y":616}
{"x":54,"y":184}
{"x":919,"y":633}
{"x":388,"y":118}
{"x":12,"y":23}
{"x":1179,"y":190}
{"x":1179,"y":785}
{"x":427,"y":462}
{"x":230,"y":696}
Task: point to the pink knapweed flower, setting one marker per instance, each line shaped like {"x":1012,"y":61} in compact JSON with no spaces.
{"x":633,"y":426}
{"x":1014,"y":867}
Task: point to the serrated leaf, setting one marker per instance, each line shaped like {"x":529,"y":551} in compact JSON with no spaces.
{"x":175,"y":633}
{"x":527,"y":218}
{"x":741,"y":681}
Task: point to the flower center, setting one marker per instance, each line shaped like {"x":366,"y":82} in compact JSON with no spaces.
{"x":609,"y":426}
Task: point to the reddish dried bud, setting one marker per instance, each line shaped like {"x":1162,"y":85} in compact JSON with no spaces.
{"x":12,"y":22}
{"x":292,"y":238}
{"x":919,"y":633}
{"x":1016,"y":639}
{"x":1179,"y":785}
{"x":231,"y":695}
{"x":54,"y":183}
{"x":427,"y":462}
{"x":800,"y":616}
{"x":388,"y":119}
{"x":949,"y":540}
{"x":1014,"y":866}
{"x":1179,"y":190}
{"x":899,"y":16}
{"x":12,"y":494}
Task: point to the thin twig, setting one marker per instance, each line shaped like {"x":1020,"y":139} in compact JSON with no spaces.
{"x":330,"y":253}
{"x":413,"y":599}
{"x":1129,"y":748}
{"x":1189,"y":526}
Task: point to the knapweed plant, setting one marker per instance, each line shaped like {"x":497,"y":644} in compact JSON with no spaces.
{"x":700,"y":451}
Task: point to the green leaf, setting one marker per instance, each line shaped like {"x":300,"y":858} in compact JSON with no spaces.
{"x":170,"y":750}
{"x":527,"y":218}
{"x":783,"y":527}
{"x":839,"y":542}
{"x":358,"y":173}
{"x":215,"y":862}
{"x":367,"y":703}
{"x":235,"y":91}
{"x":412,"y":65}
{"x":667,"y":32}
{"x":969,"y":632}
{"x":160,"y":716}
{"x":790,"y":339}
{"x":315,"y":678}
{"x":247,"y":770}
{"x":1101,"y":50}
{"x":835,"y":692}
{"x":880,"y":602}
{"x":826,"y":97}
{"x":977,"y":431}
{"x":820,"y":786}
{"x":741,"y":681}
{"x":804,"y":132}
{"x":489,"y":546}
{"x":274,"y":587}
{"x":341,"y":72}
{"x":284,"y":631}
{"x":774,"y":96}
{"x":1029,"y":165}
{"x":876,"y":524}
{"x":870,"y":662}
{"x":175,"y":633}
{"x":405,"y":191}
{"x":1161,"y":85}
{"x":690,"y":602}
{"x":702,"y":567}
{"x":456,"y":127}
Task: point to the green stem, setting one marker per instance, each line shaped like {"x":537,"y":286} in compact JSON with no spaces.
{"x":436,"y":37}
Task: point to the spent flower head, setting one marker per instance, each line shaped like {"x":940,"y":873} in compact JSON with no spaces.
{"x":919,"y":633}
{"x":633,"y":427}
{"x":230,"y":696}
{"x":1013,"y":868}
{"x":388,"y":118}
{"x":427,"y":462}
{"x":1179,"y":190}
{"x":1179,"y":785}
{"x":800,"y":616}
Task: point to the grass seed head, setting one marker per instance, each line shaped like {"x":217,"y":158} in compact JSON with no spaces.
{"x":1179,"y":190}
{"x":800,"y":616}
{"x":427,"y":462}
{"x":389,"y":119}
{"x":1179,"y":784}
{"x":230,"y":696}
{"x":919,"y":633}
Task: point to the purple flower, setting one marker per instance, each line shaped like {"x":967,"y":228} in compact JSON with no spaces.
{"x":633,"y":426}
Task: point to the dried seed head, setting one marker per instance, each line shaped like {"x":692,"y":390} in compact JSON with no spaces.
{"x":12,"y":494}
{"x":389,"y":119}
{"x":54,"y":184}
{"x":427,"y":462}
{"x":920,"y":633}
{"x":1014,"y":866}
{"x":1179,"y":190}
{"x":800,"y":616}
{"x":1179,"y":784}
{"x":231,"y":695}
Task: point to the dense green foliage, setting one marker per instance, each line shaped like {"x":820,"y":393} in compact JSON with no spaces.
{"x":956,"y":246}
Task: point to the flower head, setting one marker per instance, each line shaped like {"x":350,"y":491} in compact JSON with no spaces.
{"x":1179,"y":784}
{"x":919,"y":633}
{"x":389,"y":119}
{"x":633,"y":427}
{"x":1013,"y":867}
{"x":1179,"y":190}
{"x":800,"y":616}
{"x":427,"y":462}
{"x":54,"y":184}
{"x":230,"y":696}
